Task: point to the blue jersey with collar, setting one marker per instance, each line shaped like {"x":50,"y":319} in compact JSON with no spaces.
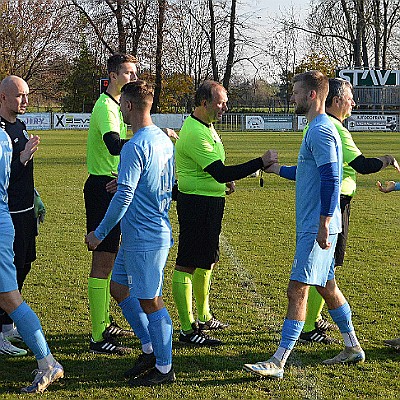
{"x":5,"y":169}
{"x":142,"y":201}
{"x":321,"y":145}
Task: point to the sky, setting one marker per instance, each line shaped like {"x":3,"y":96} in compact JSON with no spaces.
{"x":268,"y":7}
{"x":266,"y":11}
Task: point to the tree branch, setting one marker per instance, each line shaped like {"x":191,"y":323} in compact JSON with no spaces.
{"x":94,"y":26}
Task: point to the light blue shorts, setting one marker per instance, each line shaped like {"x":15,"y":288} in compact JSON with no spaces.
{"x":141,"y":271}
{"x":8,"y":272}
{"x":313,"y":265}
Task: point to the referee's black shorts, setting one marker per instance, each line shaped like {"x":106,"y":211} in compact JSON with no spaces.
{"x":97,"y":200}
{"x":340,"y":249}
{"x":200,"y":219}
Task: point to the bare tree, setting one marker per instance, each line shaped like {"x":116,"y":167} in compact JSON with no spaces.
{"x":162,"y":4}
{"x":118,"y":24}
{"x":386,"y":20}
{"x":232,"y":45}
{"x":222,"y":26}
{"x":283,"y":48}
{"x":390,"y":23}
{"x":116,"y":8}
{"x":186,"y":43}
{"x":95,"y":22}
{"x":212,"y":39}
{"x":366,"y":26}
{"x":377,"y":22}
{"x":138,"y":13}
{"x":31,"y":32}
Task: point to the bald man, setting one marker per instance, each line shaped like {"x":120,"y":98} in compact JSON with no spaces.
{"x":13,"y":102}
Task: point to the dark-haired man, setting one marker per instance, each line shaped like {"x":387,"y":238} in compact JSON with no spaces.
{"x":106,"y":136}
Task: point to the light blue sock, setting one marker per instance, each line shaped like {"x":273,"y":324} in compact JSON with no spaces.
{"x":160,"y":328}
{"x":342,"y":317}
{"x":290,"y":333}
{"x":136,"y":318}
{"x":29,"y":327}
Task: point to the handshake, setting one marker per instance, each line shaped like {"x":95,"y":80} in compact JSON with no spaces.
{"x":270,"y":162}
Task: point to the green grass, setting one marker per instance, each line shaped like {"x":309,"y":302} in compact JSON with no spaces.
{"x":249,"y":286}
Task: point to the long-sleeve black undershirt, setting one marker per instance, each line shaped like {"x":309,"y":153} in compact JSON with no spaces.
{"x":223,"y":173}
{"x":361,"y":164}
{"x":114,"y":143}
{"x":365,"y":165}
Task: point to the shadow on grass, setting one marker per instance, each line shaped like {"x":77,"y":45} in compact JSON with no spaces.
{"x":85,"y":371}
{"x":216,"y":366}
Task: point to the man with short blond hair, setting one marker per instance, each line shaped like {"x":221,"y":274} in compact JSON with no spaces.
{"x":141,"y":203}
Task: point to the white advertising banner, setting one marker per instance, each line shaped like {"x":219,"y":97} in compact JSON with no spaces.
{"x":301,"y":122}
{"x":278,"y":122}
{"x":36,"y":121}
{"x":269,"y":122}
{"x":254,"y":122}
{"x":172,"y":121}
{"x":71,"y":120}
{"x":371,"y":122}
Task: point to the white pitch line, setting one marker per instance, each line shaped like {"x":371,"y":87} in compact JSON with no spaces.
{"x":307,"y":381}
{"x":247,"y":282}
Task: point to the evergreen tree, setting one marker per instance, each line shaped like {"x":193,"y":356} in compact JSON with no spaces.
{"x":82,"y":83}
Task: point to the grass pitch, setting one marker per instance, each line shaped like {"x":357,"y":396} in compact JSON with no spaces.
{"x":248,"y":291}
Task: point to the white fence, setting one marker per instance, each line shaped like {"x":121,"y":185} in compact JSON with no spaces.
{"x":230,"y":122}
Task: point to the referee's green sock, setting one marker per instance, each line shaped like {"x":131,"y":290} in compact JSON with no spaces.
{"x":182,"y":292}
{"x":107,"y":320}
{"x":315,"y":304}
{"x":97,"y":292}
{"x":201,"y":290}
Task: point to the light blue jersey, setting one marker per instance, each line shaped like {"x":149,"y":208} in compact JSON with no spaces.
{"x":5,"y":168}
{"x":321,"y":145}
{"x":143,"y":198}
{"x":8,"y":272}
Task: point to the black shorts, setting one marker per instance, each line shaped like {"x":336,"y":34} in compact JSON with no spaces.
{"x":340,"y":248}
{"x":200,"y":219}
{"x":25,"y":226}
{"x":97,"y":200}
